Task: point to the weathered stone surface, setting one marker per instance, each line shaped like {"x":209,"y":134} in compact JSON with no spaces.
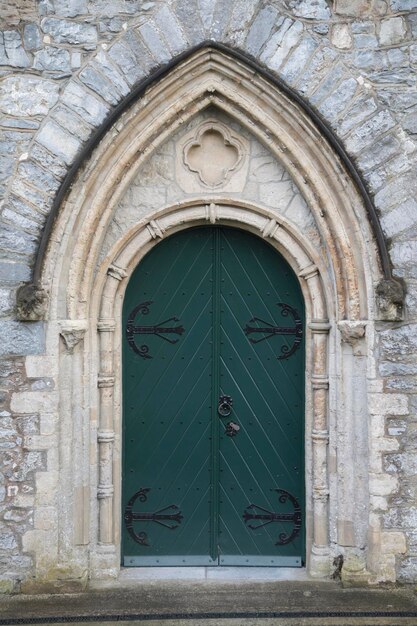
{"x":32,"y":37}
{"x":99,"y":83}
{"x":63,"y":8}
{"x":341,"y":36}
{"x":87,"y":106}
{"x":285,"y":44}
{"x":27,"y":95}
{"x":333,"y":106}
{"x":65,"y":31}
{"x":31,"y":172}
{"x":154,"y":42}
{"x":382,"y":150}
{"x":261,"y":29}
{"x":14,"y":272}
{"x":11,"y":49}
{"x":242,"y":15}
{"x":366,"y":133}
{"x":72,"y":123}
{"x":124,"y":57}
{"x":31,"y":303}
{"x":53,"y":59}
{"x":14,"y":242}
{"x":170,"y":29}
{"x":187,"y":15}
{"x":311,"y":9}
{"x":21,"y":338}
{"x":393,"y":31}
{"x":297,"y":59}
{"x":58,"y":141}
{"x":403,"y":5}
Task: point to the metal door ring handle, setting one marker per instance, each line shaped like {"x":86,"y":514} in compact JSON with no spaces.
{"x":225,"y":406}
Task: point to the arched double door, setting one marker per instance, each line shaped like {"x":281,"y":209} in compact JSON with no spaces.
{"x":213,"y":405}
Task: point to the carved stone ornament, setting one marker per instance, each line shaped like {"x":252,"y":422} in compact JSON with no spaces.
{"x":212,"y":157}
{"x":72,"y":332}
{"x":31,"y":303}
{"x":352,"y":331}
{"x":390,"y":300}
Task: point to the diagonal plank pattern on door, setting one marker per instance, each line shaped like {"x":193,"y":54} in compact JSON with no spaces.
{"x":213,"y":316}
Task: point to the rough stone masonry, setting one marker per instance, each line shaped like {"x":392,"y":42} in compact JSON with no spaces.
{"x":65,"y":67}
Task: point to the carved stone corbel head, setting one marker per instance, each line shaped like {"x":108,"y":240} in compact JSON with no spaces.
{"x":31,"y":303}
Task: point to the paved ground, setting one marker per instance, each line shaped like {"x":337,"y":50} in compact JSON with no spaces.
{"x":214,"y":603}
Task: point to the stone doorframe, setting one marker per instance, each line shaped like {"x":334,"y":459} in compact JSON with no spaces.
{"x":86,"y":296}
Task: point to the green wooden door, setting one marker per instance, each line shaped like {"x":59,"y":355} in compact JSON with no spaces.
{"x":213,"y":435}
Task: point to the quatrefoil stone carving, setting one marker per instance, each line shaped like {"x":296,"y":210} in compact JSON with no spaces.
{"x":213,"y":156}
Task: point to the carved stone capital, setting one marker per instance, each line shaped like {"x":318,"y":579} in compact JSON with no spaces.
{"x":72,"y":332}
{"x":390,"y":296}
{"x":31,"y":303}
{"x":352,"y":331}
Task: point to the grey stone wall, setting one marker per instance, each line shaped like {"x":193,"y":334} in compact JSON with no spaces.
{"x":65,"y":65}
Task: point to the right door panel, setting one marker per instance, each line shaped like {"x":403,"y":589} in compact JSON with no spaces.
{"x":261,"y":461}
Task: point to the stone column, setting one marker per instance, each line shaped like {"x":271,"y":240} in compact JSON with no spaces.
{"x":74,"y":446}
{"x":106,"y":435}
{"x":320,"y":552}
{"x":352,"y":452}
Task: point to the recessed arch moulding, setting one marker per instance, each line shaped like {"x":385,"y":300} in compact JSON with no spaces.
{"x":145,"y":181}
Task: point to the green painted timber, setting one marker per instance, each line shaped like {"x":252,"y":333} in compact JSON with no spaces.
{"x":202,"y":318}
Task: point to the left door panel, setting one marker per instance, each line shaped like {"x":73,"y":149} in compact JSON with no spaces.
{"x":167,"y":360}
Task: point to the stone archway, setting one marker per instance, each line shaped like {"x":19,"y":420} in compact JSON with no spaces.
{"x":87,"y":278}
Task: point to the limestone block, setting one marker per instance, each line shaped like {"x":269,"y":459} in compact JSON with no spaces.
{"x":388,"y":404}
{"x":58,"y":141}
{"x":39,"y":366}
{"x":185,"y":13}
{"x":34,"y":401}
{"x":341,"y":36}
{"x":403,"y":5}
{"x":285,"y":44}
{"x":47,"y":485}
{"x":170,"y":29}
{"x":53,"y":59}
{"x":393,"y":31}
{"x":352,"y":8}
{"x":240,"y":19}
{"x":66,"y":31}
{"x":261,"y":29}
{"x":21,"y":338}
{"x":154,"y":42}
{"x":365,"y":133}
{"x":27,"y":95}
{"x":12,"y":51}
{"x":45,"y":518}
{"x":296,"y":61}
{"x":31,"y":37}
{"x":310,"y":9}
{"x":383,"y":484}
{"x":82,"y":102}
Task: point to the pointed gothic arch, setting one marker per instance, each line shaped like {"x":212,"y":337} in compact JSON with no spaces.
{"x":86,"y":293}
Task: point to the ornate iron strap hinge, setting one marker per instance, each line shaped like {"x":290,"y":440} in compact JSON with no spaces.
{"x":269,"y":330}
{"x":157,"y":329}
{"x":170,"y":517}
{"x":255,"y":512}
